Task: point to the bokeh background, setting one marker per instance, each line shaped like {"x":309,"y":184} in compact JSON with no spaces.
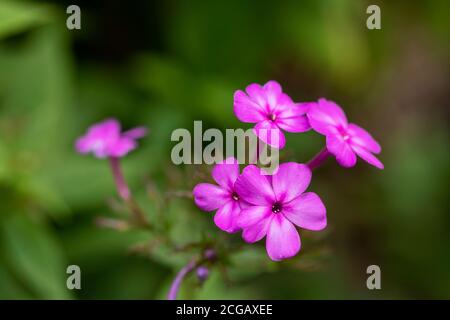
{"x":164,"y":64}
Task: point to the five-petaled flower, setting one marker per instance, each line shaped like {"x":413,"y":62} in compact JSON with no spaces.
{"x":260,"y":205}
{"x":221,"y":197}
{"x":277,"y":203}
{"x":105,"y":140}
{"x":271,"y":110}
{"x":344,"y":140}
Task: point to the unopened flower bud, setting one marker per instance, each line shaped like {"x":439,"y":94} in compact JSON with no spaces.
{"x":202,"y":273}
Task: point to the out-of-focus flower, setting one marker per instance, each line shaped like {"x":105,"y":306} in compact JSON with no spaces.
{"x":202,"y":273}
{"x":221,"y":197}
{"x":272,"y":111}
{"x":277,"y":203}
{"x":344,"y":140}
{"x":210,"y":254}
{"x":105,"y":140}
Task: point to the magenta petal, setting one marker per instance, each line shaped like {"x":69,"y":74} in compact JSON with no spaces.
{"x":121,"y":147}
{"x":136,"y":133}
{"x":108,"y":128}
{"x":253,"y":215}
{"x":293,"y":119}
{"x":306,"y":211}
{"x":257,"y":231}
{"x":367,"y":156}
{"x":294,"y":124}
{"x":273,"y":92}
{"x":325,"y":114}
{"x":362,"y":138}
{"x":284,"y":103}
{"x":254,"y":187}
{"x":247,"y":110}
{"x":209,"y":197}
{"x":105,"y":140}
{"x":107,"y":131}
{"x":257,"y":94}
{"x":226,"y":173}
{"x":82,"y":145}
{"x":305,"y":106}
{"x":290,"y":181}
{"x":226,"y":216}
{"x":244,"y":205}
{"x":283,"y":240}
{"x":270,"y":134}
{"x":342,"y":151}
{"x":99,"y":138}
{"x":286,"y":108}
{"x":101,"y":149}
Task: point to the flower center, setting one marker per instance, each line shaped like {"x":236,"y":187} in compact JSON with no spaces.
{"x":344,"y":134}
{"x":276,"y":208}
{"x":272,"y":117}
{"x":235,"y":196}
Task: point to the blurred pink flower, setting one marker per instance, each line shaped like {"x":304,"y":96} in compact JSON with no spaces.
{"x":221,"y":197}
{"x":276,"y":204}
{"x":272,"y":111}
{"x":344,"y":140}
{"x":104,"y":139}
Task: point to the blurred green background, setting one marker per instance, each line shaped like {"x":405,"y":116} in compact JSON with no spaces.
{"x":164,"y":64}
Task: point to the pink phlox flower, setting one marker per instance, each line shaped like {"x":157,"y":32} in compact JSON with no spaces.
{"x":277,"y":204}
{"x":272,"y":111}
{"x":221,"y":197}
{"x":344,"y":140}
{"x":104,"y":139}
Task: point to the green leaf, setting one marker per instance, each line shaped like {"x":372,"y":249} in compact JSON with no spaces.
{"x":16,"y":17}
{"x":10,"y":288}
{"x":34,"y":256}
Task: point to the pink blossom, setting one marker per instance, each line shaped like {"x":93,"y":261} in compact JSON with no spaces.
{"x":272,"y":111}
{"x":277,"y":203}
{"x":221,"y":197}
{"x":104,"y":139}
{"x":344,"y":140}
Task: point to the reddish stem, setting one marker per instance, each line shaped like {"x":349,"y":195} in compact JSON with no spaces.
{"x":125,"y":194}
{"x":318,"y":159}
{"x":121,"y":184}
{"x":175,"y":287}
{"x":208,"y":255}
